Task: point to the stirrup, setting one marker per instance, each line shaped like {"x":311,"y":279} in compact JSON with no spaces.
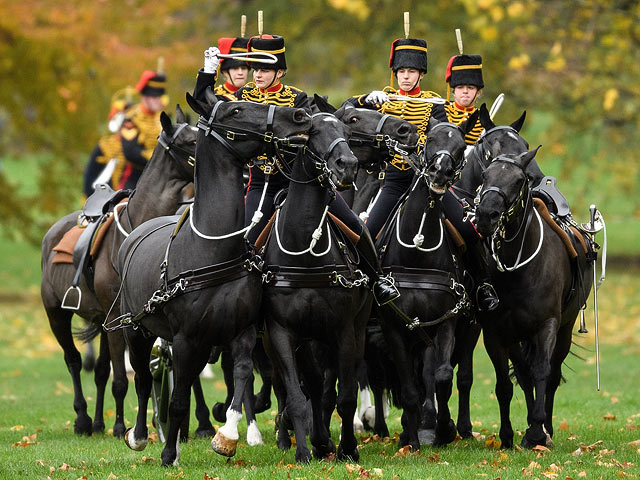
{"x":64,"y":299}
{"x":490,"y":300}
{"x":384,"y":290}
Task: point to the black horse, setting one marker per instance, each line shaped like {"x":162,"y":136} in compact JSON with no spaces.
{"x":418,"y":251}
{"x":314,"y":291}
{"x":158,"y":193}
{"x":541,"y":290}
{"x":194,"y":281}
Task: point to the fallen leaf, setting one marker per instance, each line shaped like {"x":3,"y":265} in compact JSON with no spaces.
{"x":492,"y":442}
{"x":609,"y":417}
{"x":17,"y":428}
{"x":563,"y":425}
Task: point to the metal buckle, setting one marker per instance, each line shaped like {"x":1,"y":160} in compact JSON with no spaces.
{"x":231,"y":135}
{"x":268,"y":137}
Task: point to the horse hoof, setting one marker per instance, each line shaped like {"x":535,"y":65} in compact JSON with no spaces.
{"x":223,"y":445}
{"x":427,"y":436}
{"x":82,"y":426}
{"x":205,"y":432}
{"x":132,"y":443}
{"x":118,"y":430}
{"x":98,"y":427}
{"x":219,"y":412}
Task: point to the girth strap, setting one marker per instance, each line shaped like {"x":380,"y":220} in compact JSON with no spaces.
{"x":309,"y":277}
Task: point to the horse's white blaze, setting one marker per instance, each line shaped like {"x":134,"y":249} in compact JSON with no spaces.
{"x":330,"y":119}
{"x":230,"y":428}
{"x":254,"y":437}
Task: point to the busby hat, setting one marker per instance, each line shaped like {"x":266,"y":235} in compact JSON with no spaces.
{"x":232,"y":45}
{"x":151,"y":84}
{"x":464,"y":70}
{"x":273,"y":44}
{"x":408,"y":53}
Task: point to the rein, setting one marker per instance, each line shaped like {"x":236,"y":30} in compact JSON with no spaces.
{"x":521,"y":206}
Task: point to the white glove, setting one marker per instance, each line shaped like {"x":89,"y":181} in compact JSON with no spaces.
{"x":211,"y":60}
{"x":377,"y":97}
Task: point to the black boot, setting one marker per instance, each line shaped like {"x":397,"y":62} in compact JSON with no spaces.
{"x":486,"y":296}
{"x":383,"y":288}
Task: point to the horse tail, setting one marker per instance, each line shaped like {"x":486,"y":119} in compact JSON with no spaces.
{"x":88,"y":332}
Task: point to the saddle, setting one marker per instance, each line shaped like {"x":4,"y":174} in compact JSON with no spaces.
{"x":83,"y":241}
{"x":555,"y":201}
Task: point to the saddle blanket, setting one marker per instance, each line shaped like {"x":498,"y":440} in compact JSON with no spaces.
{"x":64,"y":248}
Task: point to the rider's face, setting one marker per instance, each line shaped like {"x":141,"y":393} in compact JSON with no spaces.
{"x":266,"y":78}
{"x":236,"y":76}
{"x":153,"y":104}
{"x":408,"y":78}
{"x":465,"y":95}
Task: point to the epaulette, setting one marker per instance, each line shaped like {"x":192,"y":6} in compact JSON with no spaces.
{"x":293,"y":88}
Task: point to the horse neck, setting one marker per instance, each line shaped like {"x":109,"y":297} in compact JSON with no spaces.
{"x":470,"y":179}
{"x":431,"y":227}
{"x":158,"y":191}
{"x":218,"y":207}
{"x":303,"y":209}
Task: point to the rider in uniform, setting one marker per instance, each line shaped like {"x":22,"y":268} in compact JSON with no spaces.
{"x":268,"y":89}
{"x":464,"y":77}
{"x":236,"y":72}
{"x":141,"y":127}
{"x":408,"y":62}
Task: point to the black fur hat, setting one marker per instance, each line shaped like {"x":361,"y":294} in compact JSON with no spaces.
{"x":273,"y":44}
{"x":232,"y":45}
{"x":151,"y":84}
{"x":408,"y":53}
{"x":465,"y":70}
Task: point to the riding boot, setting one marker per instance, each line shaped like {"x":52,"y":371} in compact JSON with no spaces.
{"x":486,"y":296}
{"x":383,"y":288}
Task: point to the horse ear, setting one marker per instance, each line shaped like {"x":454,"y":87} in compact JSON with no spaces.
{"x":470,"y":122}
{"x":517,"y":125}
{"x":180,"y":118}
{"x":528,"y":156}
{"x":165,"y":121}
{"x":197,"y":106}
{"x":485,"y":118}
{"x":322,"y":104}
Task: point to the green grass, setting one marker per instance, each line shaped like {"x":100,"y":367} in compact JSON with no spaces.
{"x":36,"y":403}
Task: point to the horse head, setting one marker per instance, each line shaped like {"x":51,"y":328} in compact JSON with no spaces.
{"x":444,"y":152}
{"x":246,"y":128}
{"x":179,"y":141}
{"x":372,"y":130}
{"x":505,"y":192}
{"x":330,"y":152}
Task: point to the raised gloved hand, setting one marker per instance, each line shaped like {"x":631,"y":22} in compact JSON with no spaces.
{"x":211,"y":59}
{"x":377,"y":97}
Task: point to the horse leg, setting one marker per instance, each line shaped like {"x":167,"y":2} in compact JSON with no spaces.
{"x":205,"y":429}
{"x":120,"y":382}
{"x":380,"y":424}
{"x":504,"y":387}
{"x":544,"y":344}
{"x":219,"y":409}
{"x":263,"y":363}
{"x":226,"y":439}
{"x":563,"y":345}
{"x":188,"y":362}
{"x":320,"y":386}
{"x":296,"y":402}
{"x":89,"y":361}
{"x":60,"y":322}
{"x":254,"y":437}
{"x":409,"y":394}
{"x":445,"y":427}
{"x":464,"y":377}
{"x":101,"y":377}
{"x":428,"y":377}
{"x":139,"y":352}
{"x":347,"y":395}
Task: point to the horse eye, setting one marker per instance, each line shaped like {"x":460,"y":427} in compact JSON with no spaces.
{"x":236,"y":111}
{"x":354,"y":120}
